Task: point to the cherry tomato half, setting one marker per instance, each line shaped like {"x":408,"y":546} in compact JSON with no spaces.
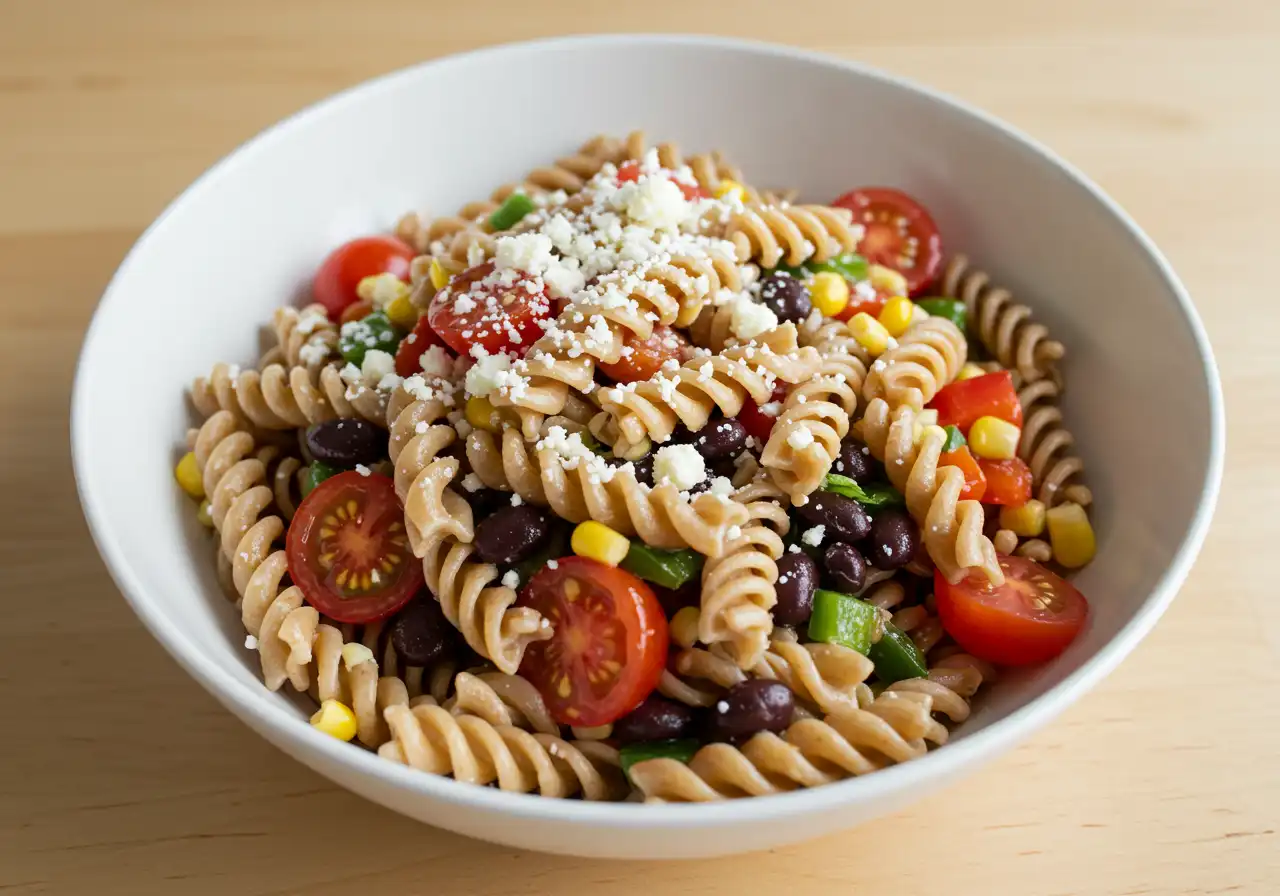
{"x":975,"y":483}
{"x":963,"y":402}
{"x":409,"y":354}
{"x":609,"y":646}
{"x":501,"y":318}
{"x":1008,"y":481}
{"x":348,"y":551}
{"x":335,"y":283}
{"x":629,"y":171}
{"x":857,"y":305}
{"x":900,"y":234}
{"x":1031,"y":618}
{"x":646,"y":356}
{"x":755,"y":421}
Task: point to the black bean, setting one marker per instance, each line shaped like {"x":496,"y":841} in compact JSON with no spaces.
{"x":421,"y":634}
{"x":797,"y":578}
{"x":892,"y":540}
{"x":720,"y":439}
{"x":756,"y":704}
{"x":485,"y":501}
{"x":345,"y":443}
{"x":854,"y":461}
{"x":644,"y":469}
{"x":673,"y":600}
{"x":787,"y":297}
{"x":846,"y":568}
{"x":657,"y":718}
{"x":844,"y":518}
{"x":511,"y":533}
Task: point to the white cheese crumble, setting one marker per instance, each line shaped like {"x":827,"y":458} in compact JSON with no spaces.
{"x":721,"y":487}
{"x":511,"y":579}
{"x":813,"y":537}
{"x":363,"y":470}
{"x":488,"y":373}
{"x":680,"y":465}
{"x":250,"y":642}
{"x":749,"y":319}
{"x":377,"y":365}
{"x":313,"y":353}
{"x":800,"y":438}
{"x":552,"y":564}
{"x":657,"y":202}
{"x":471,"y":482}
{"x":435,"y":361}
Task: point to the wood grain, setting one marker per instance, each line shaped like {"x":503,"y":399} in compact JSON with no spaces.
{"x":119,"y":775}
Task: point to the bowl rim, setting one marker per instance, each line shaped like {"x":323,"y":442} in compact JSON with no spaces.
{"x":250,"y":701}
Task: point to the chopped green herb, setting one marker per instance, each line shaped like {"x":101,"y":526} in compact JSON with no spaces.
{"x":955,"y":438}
{"x":316,"y":474}
{"x":871,"y":495}
{"x":374,"y":331}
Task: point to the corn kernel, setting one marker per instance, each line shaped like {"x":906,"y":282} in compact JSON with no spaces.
{"x":439,"y":277}
{"x":870,"y":333}
{"x":1027,"y":520}
{"x":1071,"y":535}
{"x":481,"y":414}
{"x":204,"y":515}
{"x":188,"y":475}
{"x":887,"y":281}
{"x":381,"y":289}
{"x":684,"y":626}
{"x":731,"y":188}
{"x":829,"y":292}
{"x":896,"y":315}
{"x":335,"y":719}
{"x":598,"y":542}
{"x":402,"y":313}
{"x":993,"y":438}
{"x":969,"y":371}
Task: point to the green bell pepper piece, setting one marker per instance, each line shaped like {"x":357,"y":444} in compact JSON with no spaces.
{"x":374,"y":331}
{"x":841,"y":619}
{"x":896,"y":656}
{"x":316,"y":474}
{"x":680,"y":750}
{"x":851,"y":266}
{"x":670,"y":569}
{"x":952,"y":309}
{"x":511,"y":212}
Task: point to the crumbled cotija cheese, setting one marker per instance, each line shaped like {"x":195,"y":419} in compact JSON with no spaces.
{"x":680,"y":465}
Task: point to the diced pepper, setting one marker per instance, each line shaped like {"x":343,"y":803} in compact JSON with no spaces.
{"x":511,"y":212}
{"x":841,"y":619}
{"x":670,"y":569}
{"x":316,"y":474}
{"x":896,"y":656}
{"x":1071,"y":535}
{"x":952,"y":309}
{"x":1008,"y":481}
{"x":975,"y":483}
{"x":681,"y":750}
{"x":992,"y":394}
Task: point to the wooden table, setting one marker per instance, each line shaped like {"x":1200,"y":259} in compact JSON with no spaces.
{"x":119,"y":775}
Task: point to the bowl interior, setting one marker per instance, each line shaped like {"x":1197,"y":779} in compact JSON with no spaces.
{"x":247,"y":236}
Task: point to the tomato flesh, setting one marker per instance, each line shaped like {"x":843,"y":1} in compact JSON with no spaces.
{"x":500,"y":318}
{"x":1008,"y":481}
{"x":755,"y":421}
{"x":990,"y":395}
{"x":975,"y":483}
{"x":348,"y":551}
{"x":858,"y":305}
{"x":335,"y":282}
{"x":900,"y":234}
{"x":609,"y":645}
{"x":630,"y":171}
{"x":409,"y":354}
{"x":647,"y":356}
{"x":1029,"y":619}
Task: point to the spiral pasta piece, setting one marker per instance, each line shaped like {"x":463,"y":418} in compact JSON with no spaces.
{"x":306,"y":338}
{"x":950,"y":528}
{"x":578,"y":492}
{"x":440,"y":530}
{"x":896,"y":727}
{"x":1004,"y":326}
{"x":279,"y":398}
{"x":792,"y":234}
{"x":1046,"y":446}
{"x":689,"y":395}
{"x":927,"y":357}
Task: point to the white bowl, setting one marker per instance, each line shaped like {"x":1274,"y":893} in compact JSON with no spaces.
{"x":1143,"y":394}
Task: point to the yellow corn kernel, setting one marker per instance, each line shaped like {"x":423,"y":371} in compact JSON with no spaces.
{"x":926,"y":418}
{"x":1027,"y":520}
{"x":887,"y":281}
{"x":203,"y":515}
{"x":481,"y":414}
{"x":1071,"y":535}
{"x":896,"y":315}
{"x":382,"y":289}
{"x":870,"y":333}
{"x":439,"y":278}
{"x":969,"y":371}
{"x":188,"y":475}
{"x":731,"y":188}
{"x":335,"y":719}
{"x":993,"y":438}
{"x":598,"y":542}
{"x":829,"y":292}
{"x":684,"y":626}
{"x":402,"y":313}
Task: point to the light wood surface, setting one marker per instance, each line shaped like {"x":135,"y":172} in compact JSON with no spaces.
{"x":119,"y":775}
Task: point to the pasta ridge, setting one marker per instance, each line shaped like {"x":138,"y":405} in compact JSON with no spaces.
{"x":280,"y":398}
{"x":792,"y":234}
{"x":927,"y":357}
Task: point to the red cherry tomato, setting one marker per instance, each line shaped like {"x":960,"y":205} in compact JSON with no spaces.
{"x":335,"y":283}
{"x":991,"y":395}
{"x":1008,"y":481}
{"x":647,"y":355}
{"x":501,"y":318}
{"x":409,"y":354}
{"x":900,"y":234}
{"x":975,"y":483}
{"x":756,"y":422}
{"x":629,"y":171}
{"x":348,"y":551}
{"x":1031,"y":618}
{"x":609,"y":646}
